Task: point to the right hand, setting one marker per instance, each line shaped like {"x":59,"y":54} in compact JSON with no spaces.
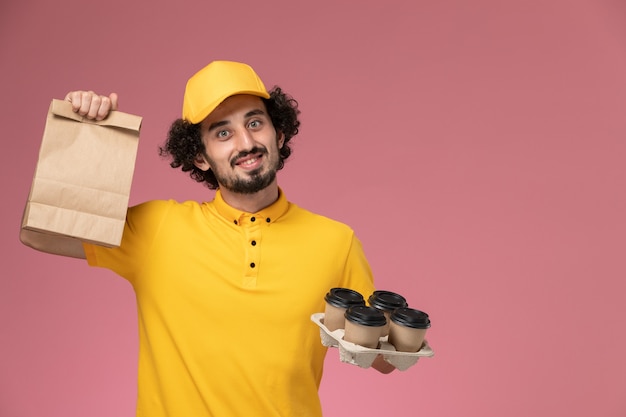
{"x":91,"y":105}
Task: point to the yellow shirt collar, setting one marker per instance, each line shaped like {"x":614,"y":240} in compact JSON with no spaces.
{"x":267,"y":215}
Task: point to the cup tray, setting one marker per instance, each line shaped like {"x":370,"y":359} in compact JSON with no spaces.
{"x":363,"y":356}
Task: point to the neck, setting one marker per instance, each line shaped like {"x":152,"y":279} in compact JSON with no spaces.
{"x":251,"y":203}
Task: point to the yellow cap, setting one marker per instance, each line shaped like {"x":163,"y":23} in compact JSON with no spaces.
{"x":214,"y":84}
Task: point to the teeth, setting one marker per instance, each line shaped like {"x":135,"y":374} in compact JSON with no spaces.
{"x":249,"y":161}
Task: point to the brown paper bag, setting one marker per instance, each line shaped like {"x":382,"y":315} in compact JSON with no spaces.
{"x":81,"y":185}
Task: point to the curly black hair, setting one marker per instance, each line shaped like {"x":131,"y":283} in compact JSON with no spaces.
{"x":184,"y":142}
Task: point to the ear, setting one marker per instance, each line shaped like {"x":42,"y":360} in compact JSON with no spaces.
{"x":280,"y":139}
{"x":201,"y":163}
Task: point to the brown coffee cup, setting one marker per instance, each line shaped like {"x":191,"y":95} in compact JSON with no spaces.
{"x":387,"y":302}
{"x":407,"y":329}
{"x":338,"y":300}
{"x":363,"y":326}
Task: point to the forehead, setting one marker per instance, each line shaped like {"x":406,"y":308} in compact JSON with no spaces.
{"x":235,"y":106}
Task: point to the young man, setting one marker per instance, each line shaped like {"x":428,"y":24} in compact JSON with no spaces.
{"x":225,"y":289}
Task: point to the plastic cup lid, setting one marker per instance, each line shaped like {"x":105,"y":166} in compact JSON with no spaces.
{"x":366,"y":316}
{"x":344,"y":297}
{"x":387,"y":300}
{"x":410,"y":317}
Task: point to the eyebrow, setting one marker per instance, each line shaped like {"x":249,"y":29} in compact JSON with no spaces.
{"x":251,"y":113}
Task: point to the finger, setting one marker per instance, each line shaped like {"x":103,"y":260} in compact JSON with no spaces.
{"x":89,"y":104}
{"x":74,"y":97}
{"x":114,"y":101}
{"x":101,"y":106}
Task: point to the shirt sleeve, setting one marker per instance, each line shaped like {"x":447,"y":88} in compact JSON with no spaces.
{"x":142,"y":224}
{"x":357,"y":272}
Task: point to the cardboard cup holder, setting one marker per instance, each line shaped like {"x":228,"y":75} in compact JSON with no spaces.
{"x":362,"y":356}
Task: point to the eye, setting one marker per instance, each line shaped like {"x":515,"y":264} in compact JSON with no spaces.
{"x":254,"y":124}
{"x":222,"y":134}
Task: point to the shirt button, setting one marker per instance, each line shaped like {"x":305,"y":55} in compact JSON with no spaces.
{"x":252,"y":219}
{"x":235,"y":221}
{"x":267,"y":220}
{"x":253,"y":243}
{"x":252,"y":265}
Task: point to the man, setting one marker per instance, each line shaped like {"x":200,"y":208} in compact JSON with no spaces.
{"x":225,"y":289}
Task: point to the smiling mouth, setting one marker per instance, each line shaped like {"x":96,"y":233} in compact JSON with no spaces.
{"x":252,"y":164}
{"x":248,"y":159}
{"x":248,"y":162}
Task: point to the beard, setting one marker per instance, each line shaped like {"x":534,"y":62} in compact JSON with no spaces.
{"x":255,"y":181}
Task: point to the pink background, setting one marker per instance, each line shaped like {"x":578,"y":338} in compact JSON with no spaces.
{"x":477,"y":148}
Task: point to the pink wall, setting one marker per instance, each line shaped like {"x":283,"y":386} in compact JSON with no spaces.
{"x":477,"y":148}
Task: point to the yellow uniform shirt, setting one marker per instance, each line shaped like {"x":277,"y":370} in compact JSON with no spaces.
{"x":224,"y":301}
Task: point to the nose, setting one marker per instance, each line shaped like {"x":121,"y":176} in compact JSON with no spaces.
{"x":244,"y":140}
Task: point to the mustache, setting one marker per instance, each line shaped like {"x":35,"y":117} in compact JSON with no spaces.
{"x":256,"y":150}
